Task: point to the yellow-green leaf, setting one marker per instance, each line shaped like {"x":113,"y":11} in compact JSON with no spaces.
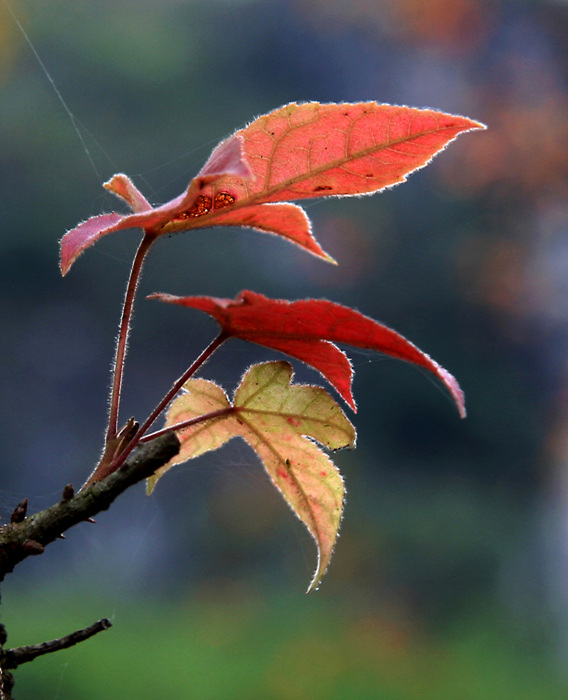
{"x":277,"y":419}
{"x":202,"y":397}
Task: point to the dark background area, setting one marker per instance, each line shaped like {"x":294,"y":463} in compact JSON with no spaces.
{"x":451,"y":570}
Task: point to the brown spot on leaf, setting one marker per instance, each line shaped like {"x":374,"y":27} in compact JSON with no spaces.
{"x":223,"y":199}
{"x":200,"y":207}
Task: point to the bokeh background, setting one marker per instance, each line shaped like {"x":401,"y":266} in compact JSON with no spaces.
{"x":450,"y":579}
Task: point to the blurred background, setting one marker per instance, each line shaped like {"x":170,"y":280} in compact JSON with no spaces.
{"x":450,"y":578}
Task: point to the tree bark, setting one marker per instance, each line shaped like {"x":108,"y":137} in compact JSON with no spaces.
{"x":28,"y":536}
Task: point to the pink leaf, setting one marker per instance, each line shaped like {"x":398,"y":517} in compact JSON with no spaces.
{"x":122,"y":186}
{"x":228,"y":159}
{"x":83,"y":236}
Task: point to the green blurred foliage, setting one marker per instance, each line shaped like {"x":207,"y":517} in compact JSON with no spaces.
{"x":233,"y":644}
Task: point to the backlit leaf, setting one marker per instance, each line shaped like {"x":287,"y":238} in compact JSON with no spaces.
{"x":295,"y":152}
{"x":227,"y":158}
{"x":315,"y":150}
{"x":276,"y":418}
{"x":307,"y":330}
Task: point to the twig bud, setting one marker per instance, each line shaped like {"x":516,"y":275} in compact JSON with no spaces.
{"x":68,"y":493}
{"x":33,"y":547}
{"x":20,"y":511}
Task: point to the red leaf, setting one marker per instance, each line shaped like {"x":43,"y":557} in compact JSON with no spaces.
{"x":297,"y":151}
{"x":287,"y":220}
{"x":315,"y":150}
{"x":226,"y":158}
{"x":308,"y":329}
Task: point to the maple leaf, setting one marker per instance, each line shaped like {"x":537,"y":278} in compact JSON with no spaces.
{"x":274,"y":417}
{"x":307,"y":330}
{"x":295,"y":152}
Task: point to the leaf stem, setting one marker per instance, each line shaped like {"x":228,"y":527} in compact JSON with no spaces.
{"x":124,"y":329}
{"x":192,"y":421}
{"x":178,"y":384}
{"x":176,"y":387}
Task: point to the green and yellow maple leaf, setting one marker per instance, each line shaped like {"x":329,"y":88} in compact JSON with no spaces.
{"x":280,"y":421}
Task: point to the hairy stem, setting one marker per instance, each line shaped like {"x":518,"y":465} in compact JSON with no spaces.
{"x":124,"y":328}
{"x":192,"y":421}
{"x":176,"y":387}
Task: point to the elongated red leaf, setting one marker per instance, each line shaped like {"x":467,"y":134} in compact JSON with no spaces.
{"x":274,"y":416}
{"x":308,"y":329}
{"x":297,"y":151}
{"x":314,"y":150}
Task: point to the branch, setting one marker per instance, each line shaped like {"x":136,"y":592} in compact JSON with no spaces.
{"x":18,"y":540}
{"x":22,"y":655}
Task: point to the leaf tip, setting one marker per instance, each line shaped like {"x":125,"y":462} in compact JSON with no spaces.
{"x":161,"y":296}
{"x":320,"y":572}
{"x":151,"y":484}
{"x":123,"y":187}
{"x":312,"y":588}
{"x":478,"y":125}
{"x":316,"y":581}
{"x":455,"y":390}
{"x":66,"y":258}
{"x":228,"y":158}
{"x":64,"y":269}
